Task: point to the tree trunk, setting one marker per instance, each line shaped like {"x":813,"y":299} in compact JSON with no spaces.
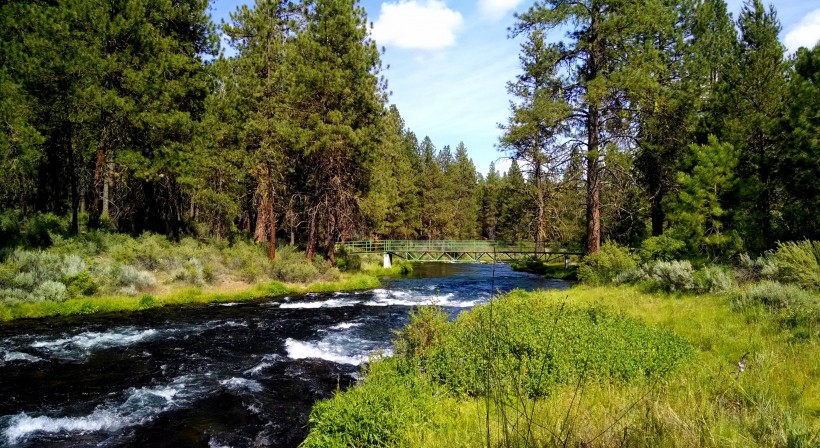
{"x":75,"y":197}
{"x":657,"y":214}
{"x":96,"y":208}
{"x":540,"y":225}
{"x":593,"y":198}
{"x":272,"y":226}
{"x":312,"y":236}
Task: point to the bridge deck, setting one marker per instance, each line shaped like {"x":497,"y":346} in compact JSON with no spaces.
{"x":455,"y":250}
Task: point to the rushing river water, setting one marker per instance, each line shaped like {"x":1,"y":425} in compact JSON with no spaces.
{"x":228,"y":374}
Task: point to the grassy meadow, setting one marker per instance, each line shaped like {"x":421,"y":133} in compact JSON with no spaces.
{"x":648,"y":352}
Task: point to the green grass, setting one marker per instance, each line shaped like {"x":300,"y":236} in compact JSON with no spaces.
{"x":705,"y":401}
{"x":183,"y":296}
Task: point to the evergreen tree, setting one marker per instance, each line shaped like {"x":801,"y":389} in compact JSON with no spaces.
{"x":339,"y":104}
{"x":602,"y":64}
{"x":757,"y":99}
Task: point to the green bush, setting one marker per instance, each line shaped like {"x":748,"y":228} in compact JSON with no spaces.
{"x":535,"y":346}
{"x":661,"y":248}
{"x":378,"y":412}
{"x":80,"y":284}
{"x":132,"y":279}
{"x":604,"y":267}
{"x":426,"y":327}
{"x":799,"y":263}
{"x":147,"y":302}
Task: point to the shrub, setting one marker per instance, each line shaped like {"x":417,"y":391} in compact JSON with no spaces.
{"x":536,"y":346}
{"x":799,"y":262}
{"x":661,"y":248}
{"x":750,"y":269}
{"x":378,"y":412}
{"x":147,"y":302}
{"x":72,"y":266}
{"x":131,"y":278}
{"x":670,"y":276}
{"x":772,"y":295}
{"x":603,"y":267}
{"x":13,"y":296}
{"x":713,"y":279}
{"x":50,"y":291}
{"x":81,"y":284}
{"x":192,"y":272}
{"x":426,"y":327}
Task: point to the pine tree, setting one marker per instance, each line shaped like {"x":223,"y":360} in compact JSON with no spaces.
{"x":602,"y":63}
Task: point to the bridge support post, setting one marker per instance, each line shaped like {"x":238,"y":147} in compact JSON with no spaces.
{"x":566,"y":261}
{"x":388,"y":260}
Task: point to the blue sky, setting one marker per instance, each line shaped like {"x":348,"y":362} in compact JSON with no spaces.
{"x":450,"y":61}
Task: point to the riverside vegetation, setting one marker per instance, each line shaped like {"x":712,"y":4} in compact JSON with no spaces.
{"x":45,"y":273}
{"x":646,"y":352}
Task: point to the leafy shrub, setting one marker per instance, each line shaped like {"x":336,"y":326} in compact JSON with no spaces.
{"x":80,"y":284}
{"x":799,"y":263}
{"x":50,"y":291}
{"x":13,"y":296}
{"x":536,"y":346}
{"x":378,"y":412}
{"x":426,"y":327}
{"x":192,"y":272}
{"x":72,"y":266}
{"x":661,"y":248}
{"x":713,"y":279}
{"x":670,"y":276}
{"x":147,"y":302}
{"x":530,"y":264}
{"x":603,"y":267}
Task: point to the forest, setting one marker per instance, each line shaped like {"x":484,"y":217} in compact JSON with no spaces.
{"x":666,"y":120}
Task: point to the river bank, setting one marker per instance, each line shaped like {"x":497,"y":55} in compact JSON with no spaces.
{"x":535,"y":371}
{"x":186,"y":295}
{"x":240,"y":374}
{"x":108,"y":272}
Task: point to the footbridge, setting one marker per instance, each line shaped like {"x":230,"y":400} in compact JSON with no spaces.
{"x":456,"y":250}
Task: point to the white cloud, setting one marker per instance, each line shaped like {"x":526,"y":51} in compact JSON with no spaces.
{"x":804,"y":34}
{"x":418,"y":24}
{"x":497,"y":9}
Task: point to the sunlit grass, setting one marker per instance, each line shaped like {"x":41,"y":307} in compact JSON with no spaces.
{"x":182,"y":296}
{"x":708,"y":401}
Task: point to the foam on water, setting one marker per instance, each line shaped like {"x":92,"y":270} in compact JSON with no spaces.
{"x":266,"y":362}
{"x":91,"y":340}
{"x":139,"y":406}
{"x":20,"y":356}
{"x":345,"y":326}
{"x":237,"y":383}
{"x":322,"y":350}
{"x":331,"y":303}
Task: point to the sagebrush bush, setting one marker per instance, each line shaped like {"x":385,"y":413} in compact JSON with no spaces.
{"x":132,"y":279}
{"x":799,"y":263}
{"x":750,"y":269}
{"x":604,"y":266}
{"x":670,"y":276}
{"x":49,"y":291}
{"x":773,"y":296}
{"x":714,"y":279}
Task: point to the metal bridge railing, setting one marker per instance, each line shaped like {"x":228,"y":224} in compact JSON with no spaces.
{"x":464,"y":246}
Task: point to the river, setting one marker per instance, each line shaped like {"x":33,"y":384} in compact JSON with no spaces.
{"x":219,"y":375}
